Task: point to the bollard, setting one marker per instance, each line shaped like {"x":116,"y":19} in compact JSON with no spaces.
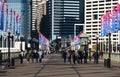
{"x":105,"y":62}
{"x":0,"y":57}
{"x":12,"y":62}
{"x":108,"y":63}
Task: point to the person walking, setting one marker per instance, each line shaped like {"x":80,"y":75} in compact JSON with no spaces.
{"x":85,"y":55}
{"x":27,"y":56}
{"x":40,"y":55}
{"x":96,"y":57}
{"x":80,"y":56}
{"x":21,"y":56}
{"x":70,"y":52}
{"x":74,"y":57}
{"x":101,"y":54}
{"x":64,"y":56}
{"x":77,"y":56}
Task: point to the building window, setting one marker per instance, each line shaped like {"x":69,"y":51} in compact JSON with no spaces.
{"x":95,"y":16}
{"x":108,"y":0}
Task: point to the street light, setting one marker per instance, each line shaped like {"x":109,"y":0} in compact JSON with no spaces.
{"x":21,"y":39}
{"x":109,"y":55}
{"x":9,"y":46}
{"x":97,"y":37}
{"x":107,"y":62}
{"x":96,"y":55}
{"x":89,"y":45}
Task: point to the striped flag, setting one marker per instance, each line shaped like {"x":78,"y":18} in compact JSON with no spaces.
{"x":1,"y":26}
{"x":105,"y":25}
{"x":102,"y":26}
{"x":16,"y":26}
{"x":19,"y":21}
{"x":13,"y":29}
{"x":114,"y":25}
{"x":6,"y":25}
{"x":118,"y":15}
{"x":109,"y":21}
{"x":2,"y":17}
{"x":43,"y":39}
{"x":77,"y":39}
{"x":10,"y":19}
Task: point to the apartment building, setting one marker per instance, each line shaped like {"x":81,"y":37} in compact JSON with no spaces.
{"x":94,"y":9}
{"x":38,"y":10}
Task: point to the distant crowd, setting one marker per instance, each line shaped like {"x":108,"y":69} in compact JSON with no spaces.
{"x":32,"y":56}
{"x":69,"y":56}
{"x":79,"y":56}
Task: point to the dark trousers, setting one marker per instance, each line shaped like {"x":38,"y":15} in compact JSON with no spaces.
{"x":81,"y":60}
{"x":69,"y":59}
{"x":21,"y":60}
{"x":85,"y":60}
{"x":64,"y":59}
{"x":74,"y":59}
{"x":95,"y":60}
{"x":40,"y":60}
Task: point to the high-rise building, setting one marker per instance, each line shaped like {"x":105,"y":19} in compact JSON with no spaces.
{"x":62,"y":15}
{"x":94,"y":9}
{"x":38,"y":10}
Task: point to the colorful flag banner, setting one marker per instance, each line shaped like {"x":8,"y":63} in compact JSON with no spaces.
{"x":19,"y":21}
{"x":1,"y":26}
{"x":43,"y":39}
{"x":77,"y":39}
{"x":16,"y":26}
{"x":2,"y":16}
{"x":6,"y":25}
{"x":111,"y":20}
{"x":10,"y":19}
{"x":13,"y":29}
{"x":102,"y":26}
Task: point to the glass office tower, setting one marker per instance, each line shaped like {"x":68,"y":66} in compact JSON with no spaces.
{"x":63,"y":14}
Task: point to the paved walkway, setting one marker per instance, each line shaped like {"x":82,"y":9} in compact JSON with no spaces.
{"x":53,"y":66}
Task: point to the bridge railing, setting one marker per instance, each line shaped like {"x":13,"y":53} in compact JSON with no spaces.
{"x":14,"y":53}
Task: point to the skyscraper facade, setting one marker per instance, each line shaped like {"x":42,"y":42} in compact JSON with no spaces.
{"x":94,"y":9}
{"x":63,"y":14}
{"x":38,"y":10}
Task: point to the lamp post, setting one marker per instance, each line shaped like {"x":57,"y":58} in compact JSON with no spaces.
{"x":89,"y":45}
{"x":9,"y":47}
{"x":109,"y":55}
{"x":97,"y":37}
{"x":21,"y":39}
{"x":97,"y":56}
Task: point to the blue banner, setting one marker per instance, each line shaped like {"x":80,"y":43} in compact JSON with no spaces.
{"x":1,"y":26}
{"x":11,"y":19}
{"x":6,"y":26}
{"x":2,"y":17}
